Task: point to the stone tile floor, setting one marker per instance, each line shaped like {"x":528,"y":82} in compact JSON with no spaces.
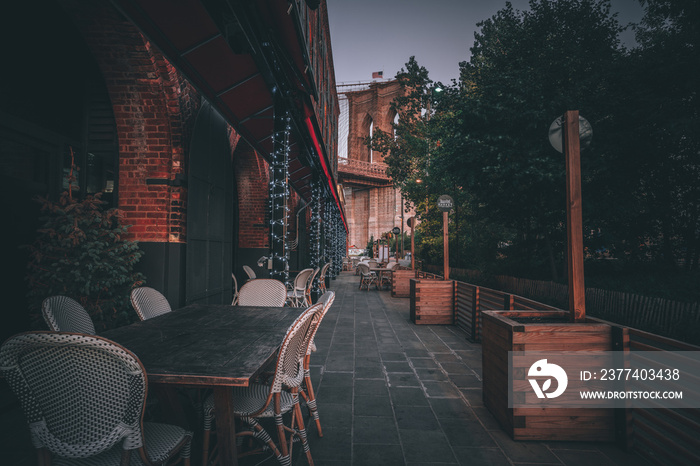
{"x":391,"y":393}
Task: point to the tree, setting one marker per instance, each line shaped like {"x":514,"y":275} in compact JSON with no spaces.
{"x":526,"y":69}
{"x":80,"y":252}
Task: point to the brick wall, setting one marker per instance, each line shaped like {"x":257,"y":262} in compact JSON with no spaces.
{"x":154,"y":108}
{"x":252,"y":178}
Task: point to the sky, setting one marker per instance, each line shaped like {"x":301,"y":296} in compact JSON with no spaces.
{"x":380,"y":35}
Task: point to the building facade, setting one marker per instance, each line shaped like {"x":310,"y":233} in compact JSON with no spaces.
{"x":176,"y":112}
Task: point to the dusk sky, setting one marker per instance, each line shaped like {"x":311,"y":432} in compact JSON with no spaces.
{"x":380,"y":35}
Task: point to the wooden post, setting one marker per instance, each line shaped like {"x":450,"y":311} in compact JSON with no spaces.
{"x":574,"y":217}
{"x":446,"y":247}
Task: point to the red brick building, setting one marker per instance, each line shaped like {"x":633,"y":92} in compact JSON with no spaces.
{"x":174,"y":111}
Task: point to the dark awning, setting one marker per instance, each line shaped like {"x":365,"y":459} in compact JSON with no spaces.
{"x":235,"y":53}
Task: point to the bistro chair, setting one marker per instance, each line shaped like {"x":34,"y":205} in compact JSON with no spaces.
{"x":250,"y":272}
{"x":149,"y":303}
{"x":367,"y":277}
{"x":235,"y":290}
{"x":322,"y":278}
{"x":310,"y":285}
{"x":276,"y":399}
{"x":388,"y":276}
{"x":308,"y":390}
{"x":83,"y":397}
{"x":64,"y":314}
{"x":262,"y":292}
{"x":296,"y":297}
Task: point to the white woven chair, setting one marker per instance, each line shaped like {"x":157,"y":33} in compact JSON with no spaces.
{"x":235,"y":290}
{"x":276,"y":399}
{"x":64,"y":314}
{"x":388,"y":277}
{"x":322,"y":277}
{"x":367,"y":277}
{"x":149,"y":303}
{"x":250,"y":272}
{"x":262,"y":292}
{"x":296,"y":297}
{"x":310,"y":285}
{"x":83,"y":398}
{"x":326,"y":300}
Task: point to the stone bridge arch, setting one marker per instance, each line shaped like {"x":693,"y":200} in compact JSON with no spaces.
{"x":372,"y":205}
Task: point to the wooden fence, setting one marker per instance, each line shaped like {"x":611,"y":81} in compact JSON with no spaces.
{"x":672,"y":319}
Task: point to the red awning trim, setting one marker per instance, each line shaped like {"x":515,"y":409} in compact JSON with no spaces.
{"x":322,"y":159}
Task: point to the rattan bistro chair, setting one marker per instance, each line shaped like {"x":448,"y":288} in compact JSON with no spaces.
{"x":235,"y":289}
{"x":308,"y":390}
{"x":310,"y":285}
{"x":278,"y":398}
{"x":64,"y":314}
{"x":296,"y":297}
{"x":149,"y":303}
{"x":250,"y":272}
{"x":322,"y":278}
{"x":262,"y":292}
{"x":83,"y":397}
{"x":367,"y":277}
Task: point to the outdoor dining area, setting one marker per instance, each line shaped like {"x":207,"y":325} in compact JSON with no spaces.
{"x":348,"y":380}
{"x":86,"y":397}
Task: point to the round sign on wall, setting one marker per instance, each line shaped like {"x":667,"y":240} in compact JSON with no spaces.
{"x":445,"y":203}
{"x":396,"y":230}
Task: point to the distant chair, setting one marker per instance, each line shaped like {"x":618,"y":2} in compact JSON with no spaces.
{"x":149,"y":303}
{"x":83,"y":398}
{"x":388,"y":277}
{"x":235,"y":290}
{"x":310,"y":285}
{"x":367,"y":277}
{"x":265,"y":292}
{"x":296,"y":297}
{"x":64,"y":314}
{"x":322,"y":277}
{"x":250,"y":272}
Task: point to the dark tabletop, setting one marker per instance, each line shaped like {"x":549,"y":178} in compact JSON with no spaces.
{"x":207,"y":344}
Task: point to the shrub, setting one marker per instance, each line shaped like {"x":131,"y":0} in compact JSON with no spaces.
{"x":80,"y":252}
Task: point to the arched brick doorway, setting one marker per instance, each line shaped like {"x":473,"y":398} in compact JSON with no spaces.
{"x":211,"y":210}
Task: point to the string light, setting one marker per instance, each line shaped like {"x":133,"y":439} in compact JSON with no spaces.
{"x":279,"y":201}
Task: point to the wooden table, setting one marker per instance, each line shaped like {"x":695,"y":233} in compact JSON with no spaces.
{"x":209,"y":345}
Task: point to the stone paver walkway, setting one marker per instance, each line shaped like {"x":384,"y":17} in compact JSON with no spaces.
{"x":394,"y":393}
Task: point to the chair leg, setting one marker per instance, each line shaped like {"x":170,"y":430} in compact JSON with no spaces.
{"x":311,"y":396}
{"x":301,"y":428}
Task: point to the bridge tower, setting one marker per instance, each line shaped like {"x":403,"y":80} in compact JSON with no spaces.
{"x":372,"y":205}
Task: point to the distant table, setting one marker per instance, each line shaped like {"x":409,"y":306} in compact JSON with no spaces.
{"x":380,"y":271}
{"x":209,"y":345}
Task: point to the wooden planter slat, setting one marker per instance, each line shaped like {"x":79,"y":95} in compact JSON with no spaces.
{"x":401,"y":284}
{"x":500,"y":335}
{"x":432,"y":301}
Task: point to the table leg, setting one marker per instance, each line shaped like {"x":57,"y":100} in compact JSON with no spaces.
{"x":225,"y":426}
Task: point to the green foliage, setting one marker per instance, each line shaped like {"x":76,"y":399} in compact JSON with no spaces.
{"x":80,"y":253}
{"x":369,"y":250}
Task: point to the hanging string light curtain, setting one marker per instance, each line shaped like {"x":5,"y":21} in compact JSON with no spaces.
{"x":315,"y":231}
{"x":279,"y":198}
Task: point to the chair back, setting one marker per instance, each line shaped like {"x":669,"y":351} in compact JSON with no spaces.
{"x":262,"y":292}
{"x":302,"y":279}
{"x":289,"y":369}
{"x":81,"y":394}
{"x":392,"y":265}
{"x":235,"y":290}
{"x":250,"y":272}
{"x":364,"y":268}
{"x":372,"y":263}
{"x":64,"y":314}
{"x":310,"y":282}
{"x":149,"y":303}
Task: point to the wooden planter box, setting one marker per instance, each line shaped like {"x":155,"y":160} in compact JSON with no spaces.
{"x":502,"y":334}
{"x":432,"y":301}
{"x":401,"y":283}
